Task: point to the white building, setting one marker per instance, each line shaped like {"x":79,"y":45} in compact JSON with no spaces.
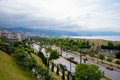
{"x":12,"y":36}
{"x":1,"y":31}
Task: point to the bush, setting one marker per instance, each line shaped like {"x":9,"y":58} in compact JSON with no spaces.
{"x":109,"y":59}
{"x":118,"y":55}
{"x":117,"y":62}
{"x":87,"y":72}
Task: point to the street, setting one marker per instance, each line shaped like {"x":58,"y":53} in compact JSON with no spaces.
{"x":114,"y":75}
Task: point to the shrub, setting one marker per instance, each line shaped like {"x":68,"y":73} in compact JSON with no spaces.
{"x":117,"y":62}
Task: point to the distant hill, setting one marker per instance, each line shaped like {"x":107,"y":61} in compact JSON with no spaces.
{"x":9,"y":70}
{"x":46,"y":32}
{"x":41,"y":32}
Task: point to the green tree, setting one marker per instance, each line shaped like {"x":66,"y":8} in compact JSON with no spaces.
{"x":87,"y":72}
{"x":101,"y":56}
{"x":57,"y":72}
{"x":110,"y":59}
{"x":63,"y":74}
{"x":54,"y":55}
{"x":117,"y":62}
{"x":110,"y":44}
{"x":118,"y":55}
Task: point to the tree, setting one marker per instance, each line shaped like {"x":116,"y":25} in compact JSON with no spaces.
{"x":117,"y":62}
{"x":101,"y":56}
{"x":87,"y":72}
{"x":63,"y":74}
{"x":52,"y":69}
{"x":57,"y":72}
{"x":110,"y":59}
{"x":22,"y":57}
{"x":110,"y":44}
{"x":54,"y":55}
{"x":118,"y":55}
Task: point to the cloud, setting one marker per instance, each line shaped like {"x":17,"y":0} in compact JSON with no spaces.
{"x":67,"y":15}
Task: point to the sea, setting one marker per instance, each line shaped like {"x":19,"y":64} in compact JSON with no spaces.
{"x":111,"y":38}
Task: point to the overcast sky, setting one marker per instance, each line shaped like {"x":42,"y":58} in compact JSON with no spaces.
{"x":70,"y":15}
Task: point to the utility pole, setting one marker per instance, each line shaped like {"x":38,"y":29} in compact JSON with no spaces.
{"x":80,"y":57}
{"x":97,"y":52}
{"x":61,"y":48}
{"x":71,"y":58}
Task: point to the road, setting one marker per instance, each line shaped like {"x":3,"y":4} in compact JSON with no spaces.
{"x":114,"y":75}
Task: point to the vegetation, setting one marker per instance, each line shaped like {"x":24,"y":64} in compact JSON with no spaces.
{"x":65,"y":43}
{"x":22,"y":55}
{"x":87,"y":72}
{"x":40,"y":63}
{"x":63,"y":74}
{"x":110,"y":45}
{"x":109,"y":59}
{"x":57,"y":72}
{"x":54,"y":55}
{"x":101,"y":56}
{"x":118,"y":55}
{"x":13,"y":71}
{"x":85,"y":46}
{"x":117,"y":62}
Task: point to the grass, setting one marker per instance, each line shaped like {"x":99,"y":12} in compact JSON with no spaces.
{"x":9,"y":70}
{"x":39,"y":62}
{"x":106,"y":78}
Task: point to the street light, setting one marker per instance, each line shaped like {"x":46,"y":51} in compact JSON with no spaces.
{"x":97,"y":52}
{"x":61,"y":49}
{"x":71,"y":58}
{"x":80,"y":57}
{"x":48,"y":55}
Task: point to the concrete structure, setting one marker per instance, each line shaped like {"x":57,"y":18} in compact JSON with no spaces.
{"x":12,"y":36}
{"x":1,"y":32}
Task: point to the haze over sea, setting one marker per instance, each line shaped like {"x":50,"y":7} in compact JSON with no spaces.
{"x":112,"y":38}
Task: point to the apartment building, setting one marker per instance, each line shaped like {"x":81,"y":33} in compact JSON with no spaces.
{"x":12,"y":36}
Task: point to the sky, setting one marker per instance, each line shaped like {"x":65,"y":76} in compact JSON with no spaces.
{"x":67,"y":15}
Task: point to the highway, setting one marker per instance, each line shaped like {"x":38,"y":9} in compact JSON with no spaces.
{"x":114,"y":75}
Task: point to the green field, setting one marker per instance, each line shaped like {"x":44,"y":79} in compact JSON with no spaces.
{"x":9,"y":70}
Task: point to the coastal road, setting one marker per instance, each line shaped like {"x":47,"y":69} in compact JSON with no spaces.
{"x":114,"y":75}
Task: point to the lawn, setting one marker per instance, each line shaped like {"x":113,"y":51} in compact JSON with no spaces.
{"x":9,"y":70}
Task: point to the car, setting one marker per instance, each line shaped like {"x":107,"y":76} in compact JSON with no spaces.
{"x":62,"y":66}
{"x":71,"y":72}
{"x":109,"y":68}
{"x":85,"y":59}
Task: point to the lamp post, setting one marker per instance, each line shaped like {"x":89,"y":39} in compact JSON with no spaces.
{"x":61,"y":49}
{"x":71,"y":58}
{"x":80,"y":57}
{"x":47,"y":55}
{"x":97,"y":52}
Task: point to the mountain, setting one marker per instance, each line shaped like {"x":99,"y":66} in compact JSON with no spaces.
{"x":45,"y":32}
{"x":41,"y":32}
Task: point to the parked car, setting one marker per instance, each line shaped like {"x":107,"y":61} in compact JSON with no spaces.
{"x":110,"y":68}
{"x":62,"y":66}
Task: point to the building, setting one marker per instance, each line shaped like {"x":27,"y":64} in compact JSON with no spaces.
{"x":12,"y":36}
